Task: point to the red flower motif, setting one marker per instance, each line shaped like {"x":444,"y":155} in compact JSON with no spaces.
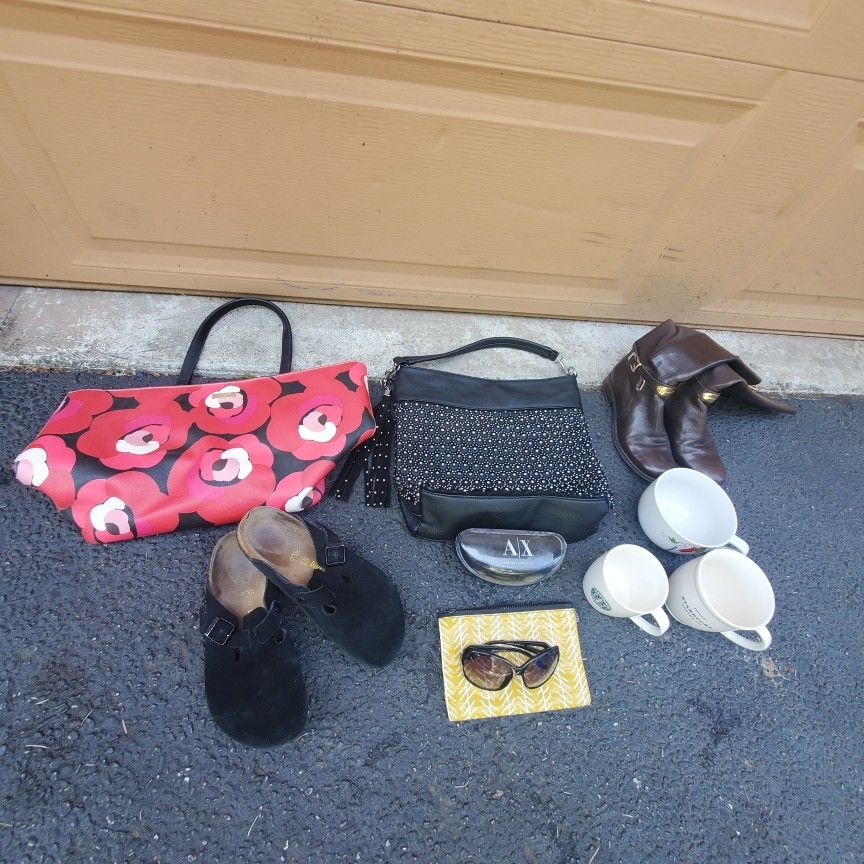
{"x":222,"y":478}
{"x":302,"y":489}
{"x":47,"y":465}
{"x":136,"y":437}
{"x":123,"y":507}
{"x":234,"y":408}
{"x":76,"y":411}
{"x":315,"y":424}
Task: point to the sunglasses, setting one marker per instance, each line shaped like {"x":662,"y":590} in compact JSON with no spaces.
{"x":486,"y":668}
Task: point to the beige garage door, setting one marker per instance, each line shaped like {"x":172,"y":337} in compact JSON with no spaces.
{"x":700,"y":159}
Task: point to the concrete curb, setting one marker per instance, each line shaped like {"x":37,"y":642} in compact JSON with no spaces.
{"x":121,"y":331}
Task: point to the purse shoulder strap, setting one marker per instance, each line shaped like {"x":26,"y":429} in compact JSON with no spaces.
{"x":378,"y":453}
{"x":193,"y":355}
{"x":496,"y":342}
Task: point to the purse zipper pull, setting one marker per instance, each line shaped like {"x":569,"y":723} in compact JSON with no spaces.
{"x":372,"y":458}
{"x":377,"y":476}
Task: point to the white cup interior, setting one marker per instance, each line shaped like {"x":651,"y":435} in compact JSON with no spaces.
{"x":635,"y":578}
{"x":695,"y":507}
{"x":735,"y":589}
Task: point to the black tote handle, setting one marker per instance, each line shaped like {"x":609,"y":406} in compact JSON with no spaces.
{"x":193,"y":355}
{"x":496,"y":342}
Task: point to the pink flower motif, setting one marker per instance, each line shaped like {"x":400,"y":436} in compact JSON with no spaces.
{"x":233,"y":408}
{"x":222,"y":478}
{"x":136,"y":437}
{"x":302,"y":489}
{"x":315,"y":423}
{"x":123,"y":507}
{"x":47,"y":465}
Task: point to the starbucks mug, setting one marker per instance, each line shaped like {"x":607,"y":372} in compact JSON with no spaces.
{"x":629,"y":582}
{"x":685,"y":511}
{"x":723,"y":592}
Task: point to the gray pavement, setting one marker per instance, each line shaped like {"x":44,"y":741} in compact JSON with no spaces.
{"x":693,"y":750}
{"x":56,"y":328}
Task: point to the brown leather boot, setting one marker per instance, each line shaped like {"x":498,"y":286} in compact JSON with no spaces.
{"x":686,"y":414}
{"x":638,"y":386}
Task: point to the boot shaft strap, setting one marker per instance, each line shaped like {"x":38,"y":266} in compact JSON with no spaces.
{"x":679,"y":354}
{"x":722,"y":378}
{"x":664,"y":391}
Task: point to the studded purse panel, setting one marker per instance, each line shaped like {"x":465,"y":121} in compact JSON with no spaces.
{"x":495,"y":452}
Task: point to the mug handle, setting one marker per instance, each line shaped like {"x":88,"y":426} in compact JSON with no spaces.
{"x":760,"y":644}
{"x":657,"y":629}
{"x":741,"y":545}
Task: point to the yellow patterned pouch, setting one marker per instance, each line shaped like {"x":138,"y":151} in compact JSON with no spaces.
{"x":484,"y":644}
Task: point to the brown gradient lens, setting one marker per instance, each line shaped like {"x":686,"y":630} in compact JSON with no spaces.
{"x":486,"y":670}
{"x":540,"y":669}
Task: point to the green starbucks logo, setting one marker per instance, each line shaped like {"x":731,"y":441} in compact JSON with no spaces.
{"x":600,"y":600}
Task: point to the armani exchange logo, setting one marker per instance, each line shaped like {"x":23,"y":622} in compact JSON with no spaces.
{"x":517,"y":548}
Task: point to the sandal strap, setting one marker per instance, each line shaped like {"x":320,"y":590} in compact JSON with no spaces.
{"x":221,"y":631}
{"x":323,"y":595}
{"x":334,"y":548}
{"x":334,"y":554}
{"x":270,"y":624}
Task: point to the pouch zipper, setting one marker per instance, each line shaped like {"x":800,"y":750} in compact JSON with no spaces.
{"x":513,"y":607}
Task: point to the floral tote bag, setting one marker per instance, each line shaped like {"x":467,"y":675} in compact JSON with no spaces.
{"x":134,"y":462}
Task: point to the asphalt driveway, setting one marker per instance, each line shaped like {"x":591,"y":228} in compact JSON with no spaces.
{"x":693,"y":750}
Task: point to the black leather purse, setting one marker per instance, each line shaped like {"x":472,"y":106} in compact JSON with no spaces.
{"x":478,"y":453}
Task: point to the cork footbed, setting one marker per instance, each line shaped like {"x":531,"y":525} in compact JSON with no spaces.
{"x":234,"y":580}
{"x":282,"y":541}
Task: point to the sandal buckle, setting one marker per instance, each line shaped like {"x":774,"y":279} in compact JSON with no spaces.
{"x":220,"y":631}
{"x":334,"y":556}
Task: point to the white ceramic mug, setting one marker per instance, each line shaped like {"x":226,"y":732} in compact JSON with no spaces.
{"x":723,"y":591}
{"x":629,"y":582}
{"x":685,"y":511}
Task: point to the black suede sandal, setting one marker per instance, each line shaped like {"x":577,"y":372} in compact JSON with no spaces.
{"x":351,"y":601}
{"x":252,"y":675}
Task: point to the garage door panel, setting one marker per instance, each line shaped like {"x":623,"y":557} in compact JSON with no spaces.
{"x":323,"y":164}
{"x":351,"y":152}
{"x":822,"y":36}
{"x":820,"y":250}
